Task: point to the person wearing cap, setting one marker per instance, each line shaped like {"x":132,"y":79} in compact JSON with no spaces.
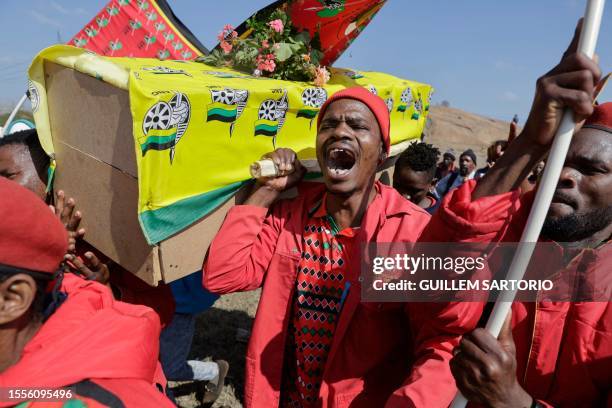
{"x":549,"y":353}
{"x":23,"y":160}
{"x":61,"y":331}
{"x":446,"y":166}
{"x":314,"y":342}
{"x":466,"y":171}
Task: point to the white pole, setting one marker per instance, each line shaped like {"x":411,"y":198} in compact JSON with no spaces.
{"x":12,"y":115}
{"x":547,"y":186}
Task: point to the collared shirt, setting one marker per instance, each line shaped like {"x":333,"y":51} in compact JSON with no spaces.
{"x":442,"y":188}
{"x":320,"y":292}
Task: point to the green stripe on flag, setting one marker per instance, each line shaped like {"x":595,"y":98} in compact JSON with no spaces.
{"x":162,"y":223}
{"x":223,"y":115}
{"x":157,"y":143}
{"x":307,"y":113}
{"x":267,"y":130}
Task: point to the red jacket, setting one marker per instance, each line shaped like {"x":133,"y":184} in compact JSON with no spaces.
{"x":382,"y":353}
{"x":94,"y":342}
{"x":563,"y":350}
{"x":134,"y":290}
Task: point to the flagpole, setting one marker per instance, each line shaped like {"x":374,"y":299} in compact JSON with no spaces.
{"x":13,"y":114}
{"x":546,"y":188}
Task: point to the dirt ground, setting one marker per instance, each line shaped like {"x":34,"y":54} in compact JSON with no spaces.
{"x":216,"y":328}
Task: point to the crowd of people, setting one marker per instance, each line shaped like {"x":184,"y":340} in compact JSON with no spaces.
{"x":71,"y":318}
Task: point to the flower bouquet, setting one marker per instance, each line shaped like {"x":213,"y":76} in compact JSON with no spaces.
{"x":271,"y":47}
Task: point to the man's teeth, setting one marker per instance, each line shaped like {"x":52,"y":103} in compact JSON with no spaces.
{"x":340,"y":172}
{"x":339,"y":150}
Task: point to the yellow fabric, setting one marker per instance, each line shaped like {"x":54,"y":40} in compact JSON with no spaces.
{"x":201,"y":127}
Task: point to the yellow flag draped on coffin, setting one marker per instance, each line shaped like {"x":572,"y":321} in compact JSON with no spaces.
{"x":197,"y":128}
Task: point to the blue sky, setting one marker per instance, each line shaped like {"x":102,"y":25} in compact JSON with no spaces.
{"x":482,"y":56}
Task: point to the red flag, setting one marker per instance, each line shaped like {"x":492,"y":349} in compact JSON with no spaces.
{"x":139,"y":28}
{"x":337,"y":22}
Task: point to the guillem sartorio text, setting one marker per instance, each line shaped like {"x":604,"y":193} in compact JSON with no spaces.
{"x":464,"y":285}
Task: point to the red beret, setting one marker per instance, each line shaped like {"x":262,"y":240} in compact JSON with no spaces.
{"x":601,"y":118}
{"x":374,"y":102}
{"x":32,"y":237}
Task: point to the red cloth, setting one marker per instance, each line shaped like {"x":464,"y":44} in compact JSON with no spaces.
{"x":563,"y":350}
{"x":136,"y":29}
{"x":31,"y":236}
{"x":601,"y":117}
{"x":93,"y":337}
{"x":374,"y":102}
{"x":382,"y":354}
{"x":133,"y":289}
{"x":137,"y":292}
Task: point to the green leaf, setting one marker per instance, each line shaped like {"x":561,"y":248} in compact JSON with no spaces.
{"x":315,"y":56}
{"x":284,"y":52}
{"x":303,"y":36}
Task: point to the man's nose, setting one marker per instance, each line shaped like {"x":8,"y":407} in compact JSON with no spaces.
{"x":341,"y":130}
{"x":569,"y":178}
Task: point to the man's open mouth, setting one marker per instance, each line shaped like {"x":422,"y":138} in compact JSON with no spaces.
{"x":340,"y":161}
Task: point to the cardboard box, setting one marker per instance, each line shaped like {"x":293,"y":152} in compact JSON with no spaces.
{"x":91,"y":126}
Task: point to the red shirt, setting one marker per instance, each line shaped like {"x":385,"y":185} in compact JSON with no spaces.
{"x":563,"y":349}
{"x":382,"y":354}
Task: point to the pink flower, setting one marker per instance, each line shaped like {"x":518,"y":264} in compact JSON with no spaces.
{"x":321,"y":76}
{"x":266,"y":63}
{"x":277,"y":46}
{"x":227,"y":47}
{"x":228,"y":28}
{"x":277,"y":25}
{"x":265,"y":44}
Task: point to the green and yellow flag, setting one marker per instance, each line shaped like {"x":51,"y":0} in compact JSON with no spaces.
{"x":197,"y":128}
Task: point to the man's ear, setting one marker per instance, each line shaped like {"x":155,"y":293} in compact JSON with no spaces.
{"x":382,"y":155}
{"x":17,"y":293}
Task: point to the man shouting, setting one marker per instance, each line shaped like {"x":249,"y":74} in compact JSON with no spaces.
{"x":314,"y":342}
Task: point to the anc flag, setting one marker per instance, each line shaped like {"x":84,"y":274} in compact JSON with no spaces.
{"x":221,"y":112}
{"x":158,"y":139}
{"x":188,"y":163}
